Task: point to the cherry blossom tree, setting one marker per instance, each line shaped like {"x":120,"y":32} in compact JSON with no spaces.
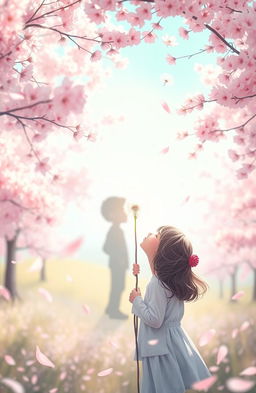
{"x":33,"y":202}
{"x":232,"y":32}
{"x":49,"y":68}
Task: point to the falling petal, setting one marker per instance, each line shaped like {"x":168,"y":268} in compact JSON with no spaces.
{"x":45,"y":294}
{"x":20,"y":369}
{"x":69,"y":278}
{"x":106,"y":372}
{"x":205,"y":384}
{"x":166,"y":107}
{"x":152,"y":342}
{"x":54,"y":390}
{"x":13,"y":262}
{"x":15,"y":386}
{"x":249,"y":371}
{"x":237,"y":295}
{"x":86,"y":309}
{"x":42,"y":359}
{"x":239,"y":385}
{"x":9,"y":360}
{"x":244,"y":325}
{"x":119,"y":373}
{"x":72,"y":247}
{"x":222,"y":352}
{"x":165,"y":150}
{"x":37,"y":265}
{"x":206,"y":337}
{"x":5,"y":293}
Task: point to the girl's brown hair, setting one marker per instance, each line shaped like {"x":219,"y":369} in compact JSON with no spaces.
{"x":172,"y":267}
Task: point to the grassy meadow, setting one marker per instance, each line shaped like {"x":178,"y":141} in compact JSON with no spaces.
{"x":81,"y":341}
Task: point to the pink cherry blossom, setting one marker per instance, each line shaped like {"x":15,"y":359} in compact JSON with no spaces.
{"x":170,"y":59}
{"x":149,"y":37}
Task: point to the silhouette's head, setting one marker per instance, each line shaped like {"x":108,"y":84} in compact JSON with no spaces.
{"x":113,"y":210}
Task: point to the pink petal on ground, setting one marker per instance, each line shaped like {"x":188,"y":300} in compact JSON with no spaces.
{"x":45,"y":294}
{"x":42,"y":359}
{"x":239,"y":385}
{"x":206,"y":337}
{"x":166,"y":107}
{"x":86,"y":309}
{"x":106,"y":372}
{"x":63,"y":375}
{"x":205,"y":384}
{"x":152,"y":342}
{"x":113,"y":343}
{"x":86,"y":378}
{"x":5,"y":293}
{"x":165,"y":150}
{"x":249,"y":371}
{"x":234,"y":333}
{"x":237,"y":295}
{"x":90,"y":370}
{"x":9,"y":360}
{"x":30,"y":362}
{"x":34,"y":379}
{"x":54,"y":390}
{"x":214,"y":369}
{"x":244,"y":325}
{"x":15,"y":386}
{"x":222,"y":352}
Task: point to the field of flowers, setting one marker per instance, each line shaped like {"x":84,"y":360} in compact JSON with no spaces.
{"x":56,"y":337}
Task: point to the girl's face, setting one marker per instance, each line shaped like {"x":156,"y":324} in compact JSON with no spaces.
{"x":150,"y":245}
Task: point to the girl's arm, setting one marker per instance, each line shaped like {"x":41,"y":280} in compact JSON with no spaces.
{"x":151,"y":313}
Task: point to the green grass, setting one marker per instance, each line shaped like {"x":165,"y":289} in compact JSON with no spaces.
{"x":81,"y":345}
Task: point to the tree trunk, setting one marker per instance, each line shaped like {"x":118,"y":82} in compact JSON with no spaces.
{"x":10,"y":269}
{"x":221,"y":289}
{"x":43,"y":271}
{"x":254,"y":285}
{"x":233,"y":284}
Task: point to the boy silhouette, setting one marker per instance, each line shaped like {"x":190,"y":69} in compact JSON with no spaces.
{"x":113,"y":211}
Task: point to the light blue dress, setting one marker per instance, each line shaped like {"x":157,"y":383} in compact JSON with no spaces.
{"x":170,"y":361}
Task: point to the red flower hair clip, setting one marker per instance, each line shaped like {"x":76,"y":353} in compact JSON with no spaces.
{"x":193,"y":260}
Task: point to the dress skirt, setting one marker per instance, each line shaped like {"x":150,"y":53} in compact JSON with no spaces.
{"x":176,"y":371}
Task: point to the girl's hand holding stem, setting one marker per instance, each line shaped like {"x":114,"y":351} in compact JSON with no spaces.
{"x":136,"y":269}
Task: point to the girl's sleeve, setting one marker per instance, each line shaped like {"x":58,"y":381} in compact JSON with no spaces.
{"x":151,"y":313}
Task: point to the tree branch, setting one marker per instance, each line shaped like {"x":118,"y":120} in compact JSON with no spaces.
{"x":237,"y":127}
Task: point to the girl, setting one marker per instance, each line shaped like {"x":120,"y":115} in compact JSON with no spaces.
{"x":170,"y":361}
